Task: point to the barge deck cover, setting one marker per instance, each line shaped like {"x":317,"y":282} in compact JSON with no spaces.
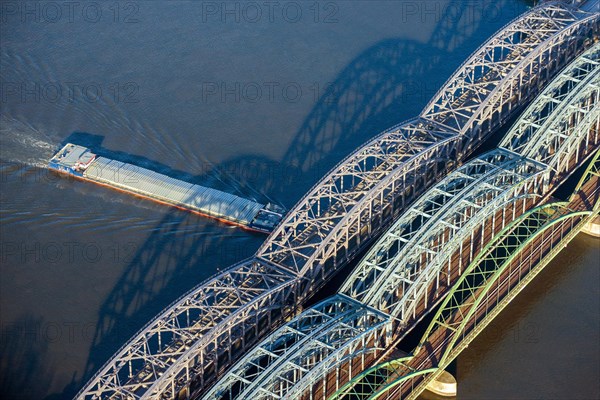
{"x":80,"y":161}
{"x":150,"y":183}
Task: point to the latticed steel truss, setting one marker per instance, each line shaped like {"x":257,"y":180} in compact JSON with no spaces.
{"x":201,"y":334}
{"x":591,"y":172}
{"x":563,"y":118}
{"x":374,"y":267}
{"x":417,"y":251}
{"x":286,"y":356}
{"x":405,"y":262}
{"x":466,"y":310}
{"x":441,"y":208}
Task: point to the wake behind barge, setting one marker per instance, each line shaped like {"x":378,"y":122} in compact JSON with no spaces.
{"x":80,"y":162}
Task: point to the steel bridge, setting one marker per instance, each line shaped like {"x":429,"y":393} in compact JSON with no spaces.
{"x":432,"y":245}
{"x":501,"y":270}
{"x":402,"y":175}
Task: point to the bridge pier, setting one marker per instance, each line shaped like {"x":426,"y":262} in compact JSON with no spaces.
{"x":593,"y":227}
{"x":444,"y":385}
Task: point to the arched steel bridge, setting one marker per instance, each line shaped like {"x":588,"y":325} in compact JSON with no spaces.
{"x":501,"y":270}
{"x":195,"y":340}
{"x":434,"y":251}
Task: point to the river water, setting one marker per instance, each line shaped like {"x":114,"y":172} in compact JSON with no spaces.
{"x":258,"y":99}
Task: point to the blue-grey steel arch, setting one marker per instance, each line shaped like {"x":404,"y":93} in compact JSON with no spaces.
{"x":440,"y":208}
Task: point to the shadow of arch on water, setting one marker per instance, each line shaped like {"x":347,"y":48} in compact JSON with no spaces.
{"x":385,"y":84}
{"x":25,"y":339}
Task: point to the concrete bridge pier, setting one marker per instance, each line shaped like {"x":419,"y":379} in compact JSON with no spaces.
{"x":593,"y":227}
{"x":444,"y":385}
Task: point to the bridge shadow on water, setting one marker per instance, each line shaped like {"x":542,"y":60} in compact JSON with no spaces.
{"x":23,"y":346}
{"x":387,"y":83}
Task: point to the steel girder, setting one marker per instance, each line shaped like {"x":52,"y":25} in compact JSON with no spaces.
{"x":288,"y":354}
{"x":361,"y":350}
{"x":368,"y":384}
{"x":508,"y":191}
{"x":499,"y":76}
{"x":339,"y":215}
{"x":566,"y":111}
{"x":361,"y":187}
{"x":413,"y":228}
{"x":502,"y":179}
{"x":410,"y":260}
{"x":476,"y":82}
{"x":591,"y":172}
{"x":538,"y":115}
{"x":464,"y":313}
{"x":473,"y":286}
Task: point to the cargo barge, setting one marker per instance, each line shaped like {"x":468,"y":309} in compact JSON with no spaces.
{"x":80,"y":162}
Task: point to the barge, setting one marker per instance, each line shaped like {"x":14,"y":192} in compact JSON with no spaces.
{"x":80,"y":162}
